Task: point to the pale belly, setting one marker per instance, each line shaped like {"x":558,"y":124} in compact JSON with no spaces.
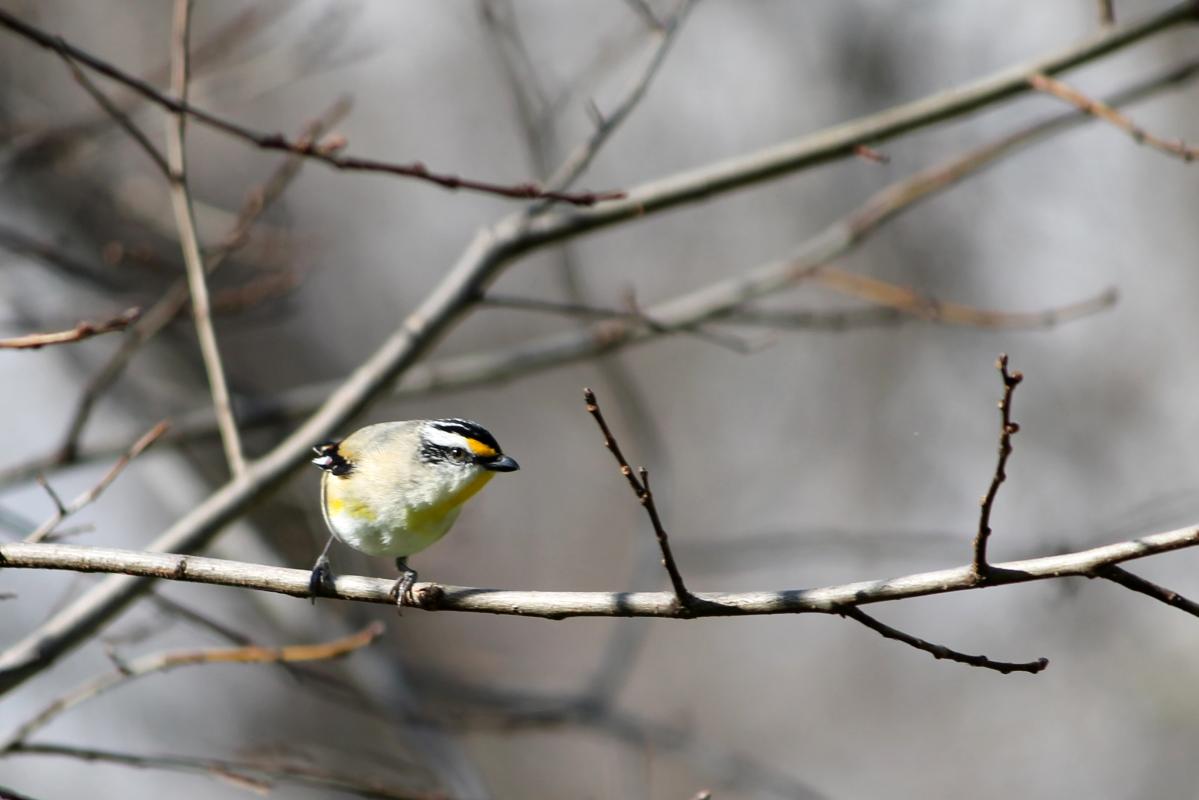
{"x":418,"y":532}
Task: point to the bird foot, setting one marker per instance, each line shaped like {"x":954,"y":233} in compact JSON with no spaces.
{"x":320,"y":582}
{"x":401,"y":591}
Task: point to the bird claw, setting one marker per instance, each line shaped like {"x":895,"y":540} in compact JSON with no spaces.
{"x":320,"y":582}
{"x":401,"y":591}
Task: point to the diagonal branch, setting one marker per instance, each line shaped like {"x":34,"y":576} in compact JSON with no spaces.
{"x":83,"y":330}
{"x":1138,"y":584}
{"x":185,"y":220}
{"x":63,"y":511}
{"x":1007,"y":429}
{"x":179,"y":106}
{"x":161,"y":662}
{"x":639,"y":483}
{"x":258,"y":775}
{"x":1099,"y":110}
{"x":939,"y":651}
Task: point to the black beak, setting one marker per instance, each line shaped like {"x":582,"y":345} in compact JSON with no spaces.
{"x":501,"y":464}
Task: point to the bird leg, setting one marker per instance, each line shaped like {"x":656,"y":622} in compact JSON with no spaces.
{"x":320,"y":582}
{"x":401,"y":592}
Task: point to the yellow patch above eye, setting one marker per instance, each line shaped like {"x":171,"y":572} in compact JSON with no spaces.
{"x":480,"y":449}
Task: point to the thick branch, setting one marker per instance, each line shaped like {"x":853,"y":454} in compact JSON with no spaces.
{"x":561,"y":605}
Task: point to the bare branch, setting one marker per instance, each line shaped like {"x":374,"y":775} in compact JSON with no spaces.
{"x":1095,"y":108}
{"x":162,"y":662}
{"x":495,"y":247}
{"x":639,"y":483}
{"x":277,"y":141}
{"x":899,"y":304}
{"x":1139,"y":584}
{"x":258,"y":774}
{"x":1007,"y":429}
{"x":83,"y":330}
{"x":561,"y":605}
{"x":185,"y":220}
{"x":940,"y":651}
{"x":47,"y":528}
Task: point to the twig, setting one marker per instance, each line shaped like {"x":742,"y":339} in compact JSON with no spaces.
{"x":1107,"y":12}
{"x":185,"y":220}
{"x":639,"y":483}
{"x":899,"y":304}
{"x":1095,"y":108}
{"x":277,"y":141}
{"x":62,"y":512}
{"x":161,"y":662}
{"x":561,"y":605}
{"x":1007,"y":429}
{"x":1139,"y":584}
{"x":175,"y":299}
{"x":493,"y":248}
{"x":870,"y":154}
{"x":578,"y":161}
{"x":83,"y":330}
{"x":930,"y":309}
{"x":939,"y":651}
{"x":247,"y":773}
{"x":118,"y":115}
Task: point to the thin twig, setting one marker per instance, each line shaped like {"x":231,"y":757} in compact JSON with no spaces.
{"x":277,"y":141}
{"x":118,"y":115}
{"x":1138,"y":584}
{"x":161,"y":662}
{"x":1107,"y":12}
{"x":175,"y":299}
{"x":258,"y":774}
{"x":577,"y":162}
{"x":1100,"y":110}
{"x":185,"y":220}
{"x":639,"y":483}
{"x":62,"y":512}
{"x":899,"y":304}
{"x":484,"y":258}
{"x":870,"y":154}
{"x":939,"y":651}
{"x":83,"y":330}
{"x":1007,"y":429}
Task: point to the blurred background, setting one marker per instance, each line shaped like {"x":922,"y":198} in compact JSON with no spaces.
{"x":850,"y":444}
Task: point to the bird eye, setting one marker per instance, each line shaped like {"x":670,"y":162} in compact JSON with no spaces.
{"x":458,"y":454}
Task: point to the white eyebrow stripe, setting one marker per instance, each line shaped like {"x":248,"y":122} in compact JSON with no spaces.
{"x":436,"y":436}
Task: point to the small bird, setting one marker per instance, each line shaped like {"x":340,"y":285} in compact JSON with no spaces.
{"x":395,"y":488}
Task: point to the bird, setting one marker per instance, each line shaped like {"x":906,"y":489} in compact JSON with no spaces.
{"x":394,"y":488}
